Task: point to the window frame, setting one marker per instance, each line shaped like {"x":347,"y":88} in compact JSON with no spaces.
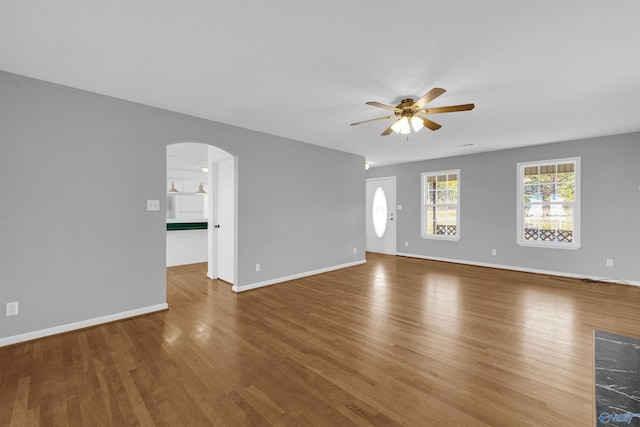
{"x":424,"y":204}
{"x":520,"y":240}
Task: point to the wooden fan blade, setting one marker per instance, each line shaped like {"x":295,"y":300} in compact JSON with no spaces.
{"x":385,"y":106}
{"x":372,"y":120}
{"x":429,"y":124}
{"x":429,"y":96}
{"x":387,"y":131}
{"x":449,"y":109}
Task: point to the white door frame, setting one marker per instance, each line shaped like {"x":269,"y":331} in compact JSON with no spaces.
{"x":214,"y":154}
{"x":212,"y":241}
{"x":226,"y":219}
{"x":213,"y":222}
{"x":390,"y":245}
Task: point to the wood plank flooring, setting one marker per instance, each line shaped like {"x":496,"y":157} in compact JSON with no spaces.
{"x":397,"y":341}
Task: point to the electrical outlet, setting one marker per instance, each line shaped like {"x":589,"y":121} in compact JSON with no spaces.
{"x":257,"y":267}
{"x":609,"y":262}
{"x":406,"y":243}
{"x":153,"y":205}
{"x":494,"y":252}
{"x":12,"y":308}
{"x":355,"y":250}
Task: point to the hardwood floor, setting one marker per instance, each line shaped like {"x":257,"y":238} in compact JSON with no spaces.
{"x":397,"y":341}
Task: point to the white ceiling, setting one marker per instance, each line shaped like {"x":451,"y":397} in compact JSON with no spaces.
{"x":188,"y":156}
{"x":538,"y":71}
{"x":192,"y":156}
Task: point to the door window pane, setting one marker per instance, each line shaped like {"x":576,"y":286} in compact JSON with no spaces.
{"x":379,"y":212}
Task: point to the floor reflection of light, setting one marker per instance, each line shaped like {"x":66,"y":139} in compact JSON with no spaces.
{"x":548,"y":325}
{"x":378,"y":295}
{"x":442,"y":302}
{"x":201,"y":332}
{"x":170,"y":336}
{"x":380,"y":277}
{"x":380,"y":292}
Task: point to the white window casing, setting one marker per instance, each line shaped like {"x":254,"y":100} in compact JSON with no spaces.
{"x":440,"y":216}
{"x":548,"y":203}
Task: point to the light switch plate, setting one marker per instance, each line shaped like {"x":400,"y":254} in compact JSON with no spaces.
{"x":11,"y":308}
{"x":153,"y":205}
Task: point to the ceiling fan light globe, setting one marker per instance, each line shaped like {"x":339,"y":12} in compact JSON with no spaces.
{"x":416,"y":123}
{"x":401,"y":126}
{"x":396,"y":126}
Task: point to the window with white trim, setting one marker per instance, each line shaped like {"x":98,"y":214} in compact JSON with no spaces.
{"x":549,"y":203}
{"x":441,"y":205}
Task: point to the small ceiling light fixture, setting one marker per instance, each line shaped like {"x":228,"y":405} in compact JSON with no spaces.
{"x":204,"y":169}
{"x":201,"y":191}
{"x":366,"y":166}
{"x":173,"y":189}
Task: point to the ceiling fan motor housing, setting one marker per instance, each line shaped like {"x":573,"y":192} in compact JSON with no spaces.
{"x":405,"y":105}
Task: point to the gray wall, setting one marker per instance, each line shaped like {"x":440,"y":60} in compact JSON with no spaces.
{"x":76,"y":168}
{"x":610,"y":205}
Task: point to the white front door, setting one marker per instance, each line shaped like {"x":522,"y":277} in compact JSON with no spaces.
{"x":226,"y":220}
{"x":381,"y":215}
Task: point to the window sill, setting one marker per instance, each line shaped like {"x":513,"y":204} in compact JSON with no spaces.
{"x":548,"y":245}
{"x":440,"y":237}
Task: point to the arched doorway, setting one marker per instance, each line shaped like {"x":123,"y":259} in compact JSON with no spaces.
{"x":201,"y":208}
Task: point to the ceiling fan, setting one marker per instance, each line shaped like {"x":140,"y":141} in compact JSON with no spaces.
{"x":409,"y":114}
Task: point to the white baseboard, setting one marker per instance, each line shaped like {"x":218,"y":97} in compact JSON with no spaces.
{"x":524,"y":269}
{"x":80,"y":325}
{"x":295,"y":276}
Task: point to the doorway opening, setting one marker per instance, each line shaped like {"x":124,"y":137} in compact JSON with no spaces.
{"x":201,"y":209}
